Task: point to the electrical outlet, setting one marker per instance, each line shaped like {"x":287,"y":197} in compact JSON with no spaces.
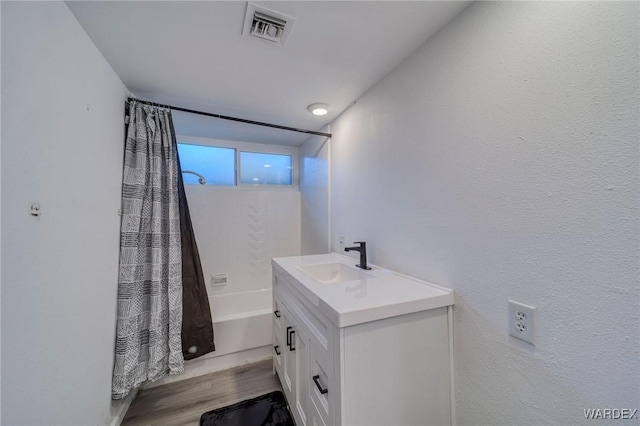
{"x":521,"y":321}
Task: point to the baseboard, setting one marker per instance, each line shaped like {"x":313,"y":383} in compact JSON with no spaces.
{"x":122,"y":406}
{"x":206,"y":365}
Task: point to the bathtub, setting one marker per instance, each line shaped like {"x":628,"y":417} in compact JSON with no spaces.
{"x":241,"y":321}
{"x":242,"y":327}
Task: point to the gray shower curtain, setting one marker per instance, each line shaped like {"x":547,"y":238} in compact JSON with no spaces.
{"x":149,"y":323}
{"x":163,"y":308}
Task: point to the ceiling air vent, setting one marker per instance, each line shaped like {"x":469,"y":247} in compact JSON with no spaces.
{"x":267,"y":25}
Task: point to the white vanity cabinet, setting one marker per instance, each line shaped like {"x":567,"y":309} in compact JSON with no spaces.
{"x":298,"y":339}
{"x":338,"y":370}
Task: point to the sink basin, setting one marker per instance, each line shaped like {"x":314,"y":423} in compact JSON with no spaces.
{"x":328,"y":273}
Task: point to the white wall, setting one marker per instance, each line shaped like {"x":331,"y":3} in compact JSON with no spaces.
{"x":314,"y":195}
{"x":62,"y":146}
{"x":501,"y":160}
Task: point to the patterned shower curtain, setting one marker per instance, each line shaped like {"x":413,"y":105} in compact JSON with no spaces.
{"x":149,"y":322}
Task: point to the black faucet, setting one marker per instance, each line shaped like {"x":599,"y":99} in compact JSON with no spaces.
{"x":362,"y":248}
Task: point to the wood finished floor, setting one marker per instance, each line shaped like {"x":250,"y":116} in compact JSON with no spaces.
{"x":182,"y":403}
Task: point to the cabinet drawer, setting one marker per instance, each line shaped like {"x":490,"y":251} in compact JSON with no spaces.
{"x":322,"y":384}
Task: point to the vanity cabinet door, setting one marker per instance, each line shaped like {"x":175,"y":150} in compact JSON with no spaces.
{"x":316,"y":418}
{"x":302,"y":404}
{"x":295,"y":376}
{"x":288,"y":355}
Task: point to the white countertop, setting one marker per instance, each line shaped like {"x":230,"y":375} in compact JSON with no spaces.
{"x":385,"y":294}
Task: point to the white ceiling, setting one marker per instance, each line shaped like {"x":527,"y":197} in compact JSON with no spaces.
{"x":192,"y":54}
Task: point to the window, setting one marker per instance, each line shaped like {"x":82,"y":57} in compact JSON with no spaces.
{"x":265,"y":169}
{"x":235,"y":163}
{"x":217,"y":165}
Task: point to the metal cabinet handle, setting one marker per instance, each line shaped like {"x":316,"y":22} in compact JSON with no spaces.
{"x":276,"y":313}
{"x":290,"y":337}
{"x":316,"y":380}
{"x":275,"y":348}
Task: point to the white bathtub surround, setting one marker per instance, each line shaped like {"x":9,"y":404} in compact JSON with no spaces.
{"x":501,"y":160}
{"x":239,"y":229}
{"x":360,"y":347}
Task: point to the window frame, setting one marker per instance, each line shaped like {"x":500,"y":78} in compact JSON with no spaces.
{"x":239,"y":170}
{"x":235,"y":172}
{"x":253,"y":148}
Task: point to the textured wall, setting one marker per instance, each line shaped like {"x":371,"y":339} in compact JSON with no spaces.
{"x":314,"y":195}
{"x":501,"y":160}
{"x":62,"y":146}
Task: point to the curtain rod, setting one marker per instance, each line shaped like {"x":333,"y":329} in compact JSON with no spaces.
{"x":226,"y":117}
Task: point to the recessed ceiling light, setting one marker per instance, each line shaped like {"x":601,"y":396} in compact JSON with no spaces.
{"x":319,"y":108}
